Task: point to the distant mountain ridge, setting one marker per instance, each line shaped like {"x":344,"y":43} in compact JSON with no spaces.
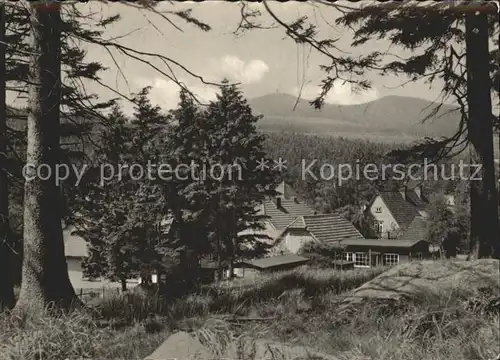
{"x":392,"y":116}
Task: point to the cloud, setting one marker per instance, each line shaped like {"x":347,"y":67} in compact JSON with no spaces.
{"x":165,"y":93}
{"x":341,"y":94}
{"x":237,"y":70}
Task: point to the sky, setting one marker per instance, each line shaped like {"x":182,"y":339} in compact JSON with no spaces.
{"x":263,"y":61}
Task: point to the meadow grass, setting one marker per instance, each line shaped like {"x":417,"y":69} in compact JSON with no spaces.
{"x":305,"y":306}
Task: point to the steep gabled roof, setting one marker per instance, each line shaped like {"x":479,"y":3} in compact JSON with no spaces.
{"x":328,"y":229}
{"x":402,"y":210}
{"x":417,"y":230}
{"x":331,"y":228}
{"x":288,"y":211}
{"x":420,"y":203}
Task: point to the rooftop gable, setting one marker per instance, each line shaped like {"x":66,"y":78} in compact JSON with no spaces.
{"x":417,"y":230}
{"x":282,"y":215}
{"x":402,"y":210}
{"x":328,"y":229}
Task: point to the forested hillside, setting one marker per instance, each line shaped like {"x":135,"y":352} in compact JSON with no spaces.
{"x":391,"y":118}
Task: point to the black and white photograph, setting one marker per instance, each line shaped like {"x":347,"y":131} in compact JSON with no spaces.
{"x":238,"y":180}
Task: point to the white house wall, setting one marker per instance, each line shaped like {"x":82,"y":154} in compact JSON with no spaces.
{"x":292,"y":242}
{"x":76,"y":278}
{"x":385,"y":216}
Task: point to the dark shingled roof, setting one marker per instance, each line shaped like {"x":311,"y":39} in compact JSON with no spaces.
{"x":275,"y":261}
{"x":327,"y":228}
{"x":417,"y":230}
{"x":420,"y":203}
{"x":403,"y":210}
{"x":283,"y":215}
{"x":380,"y":243}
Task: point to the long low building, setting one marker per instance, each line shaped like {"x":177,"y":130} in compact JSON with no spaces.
{"x":249,"y":268}
{"x":375,"y":252}
{"x":335,"y":231}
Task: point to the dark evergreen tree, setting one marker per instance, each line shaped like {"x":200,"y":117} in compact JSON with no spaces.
{"x":236,"y":146}
{"x":45,"y":280}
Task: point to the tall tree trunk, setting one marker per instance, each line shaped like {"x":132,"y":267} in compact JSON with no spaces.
{"x":6,"y":279}
{"x":218,"y":271}
{"x":45,"y":280}
{"x":485,"y":231}
{"x":230,"y":252}
{"x":123,"y":283}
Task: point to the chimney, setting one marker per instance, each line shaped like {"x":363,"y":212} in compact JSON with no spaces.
{"x":278,"y":202}
{"x":418,"y":191}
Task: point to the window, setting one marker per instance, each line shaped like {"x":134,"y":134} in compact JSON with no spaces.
{"x":391,"y":259}
{"x":347,"y":256}
{"x":418,"y":256}
{"x":378,"y":209}
{"x":361,"y":260}
{"x":379,"y":227}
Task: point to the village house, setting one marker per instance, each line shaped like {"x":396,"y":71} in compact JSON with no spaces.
{"x":280,"y":212}
{"x":394,"y":210}
{"x":325,"y":229}
{"x":292,"y":224}
{"x":335,"y":231}
{"x":385,"y":252}
{"x":75,"y":250}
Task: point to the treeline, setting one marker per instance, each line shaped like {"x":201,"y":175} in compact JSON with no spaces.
{"x":329,"y":193}
{"x":192,"y":201}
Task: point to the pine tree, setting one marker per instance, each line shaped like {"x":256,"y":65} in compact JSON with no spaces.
{"x":45,"y":280}
{"x":97,"y":195}
{"x":185,"y":191}
{"x":445,"y":227}
{"x":6,"y":244}
{"x":119,"y":214}
{"x":235,"y":145}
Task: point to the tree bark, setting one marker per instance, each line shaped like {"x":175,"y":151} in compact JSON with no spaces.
{"x":485,"y":231}
{"x":45,"y":281}
{"x":218,"y":271}
{"x":7,"y":299}
{"x":230,"y":263}
{"x":123,"y":283}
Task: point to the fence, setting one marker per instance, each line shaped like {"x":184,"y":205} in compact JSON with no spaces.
{"x":96,"y":293}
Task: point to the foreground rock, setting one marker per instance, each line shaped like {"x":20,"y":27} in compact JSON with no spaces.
{"x":410,"y":279}
{"x":181,"y":346}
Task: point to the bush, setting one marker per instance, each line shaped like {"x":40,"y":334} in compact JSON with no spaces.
{"x":75,"y":336}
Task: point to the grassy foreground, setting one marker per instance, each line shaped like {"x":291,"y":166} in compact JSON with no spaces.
{"x":305,"y":307}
